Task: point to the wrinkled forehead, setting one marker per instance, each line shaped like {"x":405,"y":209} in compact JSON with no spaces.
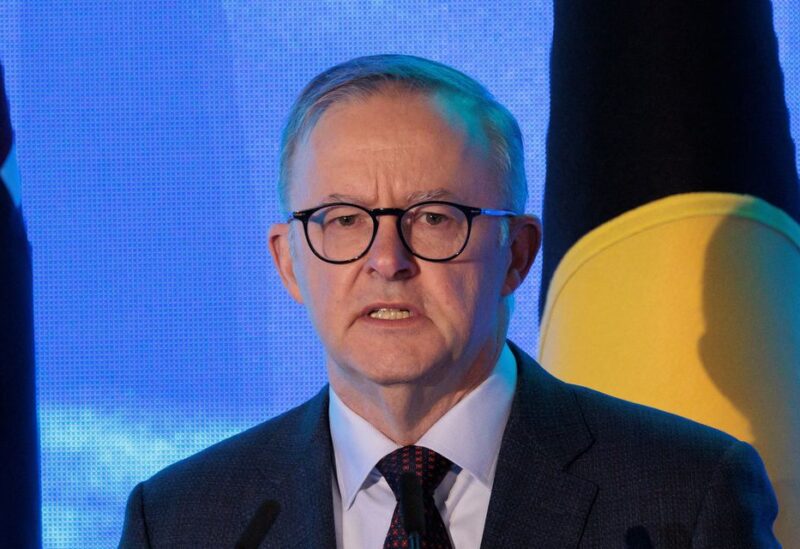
{"x":392,"y":144}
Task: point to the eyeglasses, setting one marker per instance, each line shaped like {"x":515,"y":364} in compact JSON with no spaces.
{"x":434,"y":231}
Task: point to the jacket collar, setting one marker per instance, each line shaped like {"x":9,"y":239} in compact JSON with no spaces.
{"x":301,"y":481}
{"x":535,"y":502}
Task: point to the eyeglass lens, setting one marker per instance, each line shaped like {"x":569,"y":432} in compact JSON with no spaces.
{"x":433,"y":231}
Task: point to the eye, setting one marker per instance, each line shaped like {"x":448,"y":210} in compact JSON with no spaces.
{"x":434,"y":218}
{"x":338,"y":217}
{"x":344,"y":220}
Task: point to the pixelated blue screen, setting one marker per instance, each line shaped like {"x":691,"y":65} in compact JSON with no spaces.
{"x":147,"y":137}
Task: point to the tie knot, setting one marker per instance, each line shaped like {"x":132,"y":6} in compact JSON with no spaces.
{"x":429,"y":466}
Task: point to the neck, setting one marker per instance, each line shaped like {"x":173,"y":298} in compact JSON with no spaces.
{"x":405,"y":411}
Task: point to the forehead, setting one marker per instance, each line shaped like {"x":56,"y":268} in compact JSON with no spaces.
{"x":390,"y":145}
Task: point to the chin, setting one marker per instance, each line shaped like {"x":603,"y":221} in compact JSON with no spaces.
{"x":384,"y":366}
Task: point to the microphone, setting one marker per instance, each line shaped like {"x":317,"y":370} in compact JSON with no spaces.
{"x":259,"y":525}
{"x":412,"y":508}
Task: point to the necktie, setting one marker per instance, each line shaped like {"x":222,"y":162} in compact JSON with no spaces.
{"x":430,"y":468}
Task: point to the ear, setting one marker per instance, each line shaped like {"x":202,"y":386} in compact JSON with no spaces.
{"x":280,"y":248}
{"x":525,"y":235}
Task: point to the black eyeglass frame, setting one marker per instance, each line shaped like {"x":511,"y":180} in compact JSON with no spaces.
{"x":470,"y":212}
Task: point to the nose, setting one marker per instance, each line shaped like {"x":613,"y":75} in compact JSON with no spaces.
{"x":388,"y":257}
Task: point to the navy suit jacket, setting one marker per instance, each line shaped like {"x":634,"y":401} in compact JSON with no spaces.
{"x":576,"y":469}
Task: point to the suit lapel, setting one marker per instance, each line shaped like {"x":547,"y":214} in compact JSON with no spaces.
{"x":304,"y":493}
{"x":535,"y":502}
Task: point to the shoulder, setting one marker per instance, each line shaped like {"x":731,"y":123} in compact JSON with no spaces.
{"x":215,"y":490}
{"x":271,"y":439}
{"x":615,"y":426}
{"x":649,"y":463}
{"x":267,"y":446}
{"x":654,"y":472}
{"x":623,"y":425}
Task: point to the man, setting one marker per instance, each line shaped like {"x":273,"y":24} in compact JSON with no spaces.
{"x":406,"y":243}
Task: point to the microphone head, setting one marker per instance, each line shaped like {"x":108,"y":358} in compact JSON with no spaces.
{"x":259,"y":525}
{"x":412,"y":508}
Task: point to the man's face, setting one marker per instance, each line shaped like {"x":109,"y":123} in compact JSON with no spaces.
{"x":393,"y":150}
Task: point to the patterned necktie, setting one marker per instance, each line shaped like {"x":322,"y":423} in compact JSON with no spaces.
{"x":430,"y":468}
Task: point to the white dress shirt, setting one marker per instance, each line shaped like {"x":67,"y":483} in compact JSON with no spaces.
{"x":469,"y":435}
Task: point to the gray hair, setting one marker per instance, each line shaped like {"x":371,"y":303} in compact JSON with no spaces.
{"x":366,"y":76}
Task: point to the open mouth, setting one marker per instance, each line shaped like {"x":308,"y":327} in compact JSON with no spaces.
{"x":390,"y":314}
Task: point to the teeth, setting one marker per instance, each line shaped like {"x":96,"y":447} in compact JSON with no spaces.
{"x":390,"y":314}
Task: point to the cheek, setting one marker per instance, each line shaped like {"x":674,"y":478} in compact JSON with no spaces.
{"x":328,"y":296}
{"x":323,"y":288}
{"x":456,"y":298}
{"x":470,"y":298}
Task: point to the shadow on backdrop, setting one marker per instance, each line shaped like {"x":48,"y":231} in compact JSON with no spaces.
{"x":754,"y":358}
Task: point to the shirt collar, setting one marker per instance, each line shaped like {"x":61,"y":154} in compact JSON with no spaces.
{"x":469,"y":434}
{"x":357,"y":447}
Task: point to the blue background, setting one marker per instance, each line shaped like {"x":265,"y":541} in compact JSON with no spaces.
{"x":147,"y":138}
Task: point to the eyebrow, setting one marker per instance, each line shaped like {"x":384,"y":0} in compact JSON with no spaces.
{"x":416,"y":196}
{"x":338,"y":197}
{"x":433,"y":194}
